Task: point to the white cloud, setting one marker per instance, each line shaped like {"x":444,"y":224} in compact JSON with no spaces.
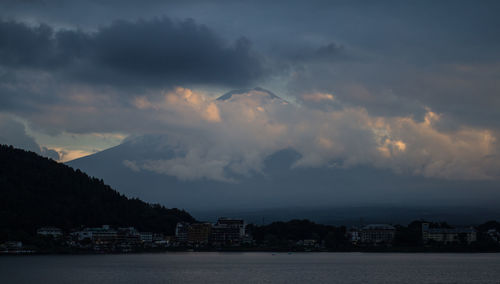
{"x":238,"y":134}
{"x":250,"y":127}
{"x":318,"y":97}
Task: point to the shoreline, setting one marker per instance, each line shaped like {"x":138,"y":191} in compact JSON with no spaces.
{"x":33,"y":253}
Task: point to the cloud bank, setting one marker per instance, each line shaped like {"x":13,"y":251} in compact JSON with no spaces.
{"x":153,"y":52}
{"x":249,"y":127}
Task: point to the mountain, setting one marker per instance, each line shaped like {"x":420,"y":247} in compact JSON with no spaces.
{"x":164,"y":168}
{"x":258,"y":90}
{"x":36,"y":192}
{"x":280,"y":188}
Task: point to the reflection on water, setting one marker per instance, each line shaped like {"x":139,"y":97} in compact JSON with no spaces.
{"x":252,"y":268}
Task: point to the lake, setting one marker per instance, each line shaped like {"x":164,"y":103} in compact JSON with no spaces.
{"x":208,"y":267}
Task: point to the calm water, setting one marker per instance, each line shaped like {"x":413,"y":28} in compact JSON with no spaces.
{"x":253,"y":268}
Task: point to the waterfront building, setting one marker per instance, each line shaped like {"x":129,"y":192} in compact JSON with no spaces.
{"x":228,"y":231}
{"x":128,"y":235}
{"x":12,"y":245}
{"x":101,"y":234}
{"x":494,"y":235}
{"x":225,"y":231}
{"x":50,"y":232}
{"x":448,"y":235}
{"x":310,"y":243}
{"x":146,"y":237}
{"x":199,"y":233}
{"x":377,"y":234}
{"x":181,"y":232}
{"x":353,"y":235}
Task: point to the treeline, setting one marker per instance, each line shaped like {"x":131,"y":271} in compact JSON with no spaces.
{"x":287,"y":234}
{"x":36,"y":192}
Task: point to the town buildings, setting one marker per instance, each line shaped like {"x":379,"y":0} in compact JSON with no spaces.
{"x":448,"y":235}
{"x":14,"y":247}
{"x":229,"y":233}
{"x":107,"y":238}
{"x":225,"y":232}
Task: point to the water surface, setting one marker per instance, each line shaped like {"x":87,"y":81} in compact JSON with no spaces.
{"x":252,"y":268}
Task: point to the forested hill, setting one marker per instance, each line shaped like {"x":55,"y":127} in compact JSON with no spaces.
{"x":36,"y":191}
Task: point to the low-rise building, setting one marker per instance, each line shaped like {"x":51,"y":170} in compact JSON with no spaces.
{"x":101,"y":234}
{"x":50,"y":232}
{"x":128,"y":235}
{"x":12,"y":245}
{"x":310,"y":243}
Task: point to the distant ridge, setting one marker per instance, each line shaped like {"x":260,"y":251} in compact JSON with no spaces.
{"x":36,"y":191}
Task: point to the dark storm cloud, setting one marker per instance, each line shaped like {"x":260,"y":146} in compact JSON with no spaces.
{"x":21,"y":45}
{"x":157,"y":51}
{"x":178,"y":52}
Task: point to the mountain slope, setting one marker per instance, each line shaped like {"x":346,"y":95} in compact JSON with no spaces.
{"x":36,"y":191}
{"x":279,"y":184}
{"x":229,"y":95}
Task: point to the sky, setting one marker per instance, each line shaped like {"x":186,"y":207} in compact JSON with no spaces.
{"x":409,"y":86}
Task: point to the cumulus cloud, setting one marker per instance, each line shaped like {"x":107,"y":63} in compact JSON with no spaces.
{"x":182,"y":102}
{"x":251,"y":126}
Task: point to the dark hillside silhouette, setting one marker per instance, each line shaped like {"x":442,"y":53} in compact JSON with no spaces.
{"x":36,"y":191}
